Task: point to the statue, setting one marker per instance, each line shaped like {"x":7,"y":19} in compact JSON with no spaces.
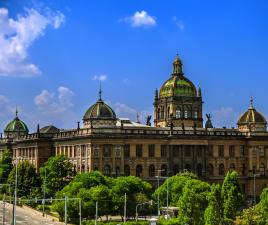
{"x":148,"y":120}
{"x":209,"y":122}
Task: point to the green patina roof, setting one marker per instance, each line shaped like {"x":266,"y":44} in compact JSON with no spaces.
{"x":99,"y":110}
{"x":16,"y":125}
{"x":178,"y":85}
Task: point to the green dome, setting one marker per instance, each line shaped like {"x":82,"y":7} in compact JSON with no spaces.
{"x":16,"y":126}
{"x":99,"y":110}
{"x":178,"y":85}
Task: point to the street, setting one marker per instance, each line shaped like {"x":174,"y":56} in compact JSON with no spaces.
{"x":24,"y":216}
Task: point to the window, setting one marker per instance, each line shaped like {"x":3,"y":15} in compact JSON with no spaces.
{"x":163,"y":150}
{"x":168,"y":112}
{"x":262,"y":169}
{"x":107,"y":150}
{"x":254,"y":169}
{"x":242,"y":150}
{"x":127,"y":151}
{"x":158,"y":114}
{"x":127,"y":170}
{"x":176,"y":150}
{"x":151,"y":150}
{"x":232,"y":166}
{"x":95,"y":150}
{"x":164,"y":170}
{"x":176,"y":169}
{"x":178,"y":114}
{"x":151,"y":171}
{"x":199,"y":151}
{"x":138,"y":151}
{"x":117,"y":171}
{"x":199,"y":170}
{"x":138,"y":171}
{"x":210,"y":170}
{"x":83,"y":150}
{"x":261,"y":151}
{"x":187,"y":151}
{"x":221,"y":169}
{"x":188,"y":167}
{"x":221,"y":150}
{"x":210,"y":150}
{"x":107,"y":170}
{"x":243,"y":169}
{"x":185,"y":114}
{"x":232,"y":151}
{"x":195,"y":114}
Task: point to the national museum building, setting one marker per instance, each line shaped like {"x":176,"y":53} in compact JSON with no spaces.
{"x":176,"y":141}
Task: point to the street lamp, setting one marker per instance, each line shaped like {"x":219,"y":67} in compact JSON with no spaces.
{"x":150,"y":202}
{"x":158,"y":205}
{"x":158,"y":177}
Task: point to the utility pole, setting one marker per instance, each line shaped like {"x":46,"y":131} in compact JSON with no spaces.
{"x":65,"y":210}
{"x":96,"y":215}
{"x":44,"y":193}
{"x":4,"y":209}
{"x":125,"y":208}
{"x":15,"y":194}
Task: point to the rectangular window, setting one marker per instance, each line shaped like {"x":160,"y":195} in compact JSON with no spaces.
{"x":75,"y":151}
{"x":107,"y":150}
{"x":242,"y":150}
{"x":232,"y":151}
{"x":163,"y":150}
{"x":138,"y":151}
{"x":176,"y":150}
{"x":221,"y":150}
{"x":195,"y":114}
{"x":185,"y":114}
{"x":187,"y":151}
{"x":210,"y":150}
{"x":261,"y":151}
{"x":178,"y":114}
{"x":151,"y":150}
{"x":127,"y":151}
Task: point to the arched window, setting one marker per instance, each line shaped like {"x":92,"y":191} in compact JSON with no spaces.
{"x":176,"y":169}
{"x":127,"y":170}
{"x":74,"y":168}
{"x":188,"y":167}
{"x":243,"y":169}
{"x":221,"y":169}
{"x":83,"y":168}
{"x":210,"y":170}
{"x":262,"y":169}
{"x":107,"y":170}
{"x":117,"y":171}
{"x":151,"y":171}
{"x":178,"y":114}
{"x":138,"y":171}
{"x":199,"y":170}
{"x":162,"y":112}
{"x":232,"y":166}
{"x":164,"y":170}
{"x":195,"y":114}
{"x":96,"y":168}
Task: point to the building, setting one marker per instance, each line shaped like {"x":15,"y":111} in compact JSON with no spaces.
{"x":177,"y":141}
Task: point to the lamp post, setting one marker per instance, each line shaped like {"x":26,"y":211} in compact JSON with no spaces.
{"x":158,"y":177}
{"x":158,"y":203}
{"x":150,"y":202}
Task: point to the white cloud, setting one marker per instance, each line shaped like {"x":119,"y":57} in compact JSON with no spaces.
{"x":124,"y":111}
{"x":17,"y":35}
{"x":100,"y":77}
{"x":224,"y":116}
{"x":179,"y":23}
{"x":141,"y":19}
{"x":51,"y":103}
{"x":6,"y":108}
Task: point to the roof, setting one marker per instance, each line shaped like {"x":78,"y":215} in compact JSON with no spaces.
{"x":49,"y":129}
{"x":16,"y":125}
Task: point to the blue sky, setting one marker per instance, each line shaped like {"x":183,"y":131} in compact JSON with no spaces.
{"x":53,"y":54}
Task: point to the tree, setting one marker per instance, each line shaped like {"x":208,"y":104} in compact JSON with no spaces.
{"x":5,"y":165}
{"x":27,"y":178}
{"x":193,"y":202}
{"x":214,"y":211}
{"x":232,"y":196}
{"x":58,"y":172}
{"x":262,"y":207}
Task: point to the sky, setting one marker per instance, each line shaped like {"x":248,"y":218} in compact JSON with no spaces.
{"x":54,"y":54}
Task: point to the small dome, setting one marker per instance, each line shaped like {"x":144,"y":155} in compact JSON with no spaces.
{"x":99,"y":110}
{"x":178,"y":85}
{"x":252,"y":120}
{"x":251,"y":116}
{"x":16,"y":126}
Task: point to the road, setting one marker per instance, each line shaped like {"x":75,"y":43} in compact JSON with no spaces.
{"x":24,"y":217}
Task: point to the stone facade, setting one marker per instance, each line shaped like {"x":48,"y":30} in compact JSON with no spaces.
{"x":119,"y":147}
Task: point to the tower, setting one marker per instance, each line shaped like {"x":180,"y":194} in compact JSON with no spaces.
{"x":178,"y":101}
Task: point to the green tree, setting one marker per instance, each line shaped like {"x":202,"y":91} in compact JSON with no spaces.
{"x":27,"y":178}
{"x":214,"y":211}
{"x":232,"y":196}
{"x":5,"y":165}
{"x":262,"y":207}
{"x":193,"y":202}
{"x":58,"y":172}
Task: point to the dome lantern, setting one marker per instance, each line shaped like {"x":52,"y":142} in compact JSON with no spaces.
{"x":177,"y":67}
